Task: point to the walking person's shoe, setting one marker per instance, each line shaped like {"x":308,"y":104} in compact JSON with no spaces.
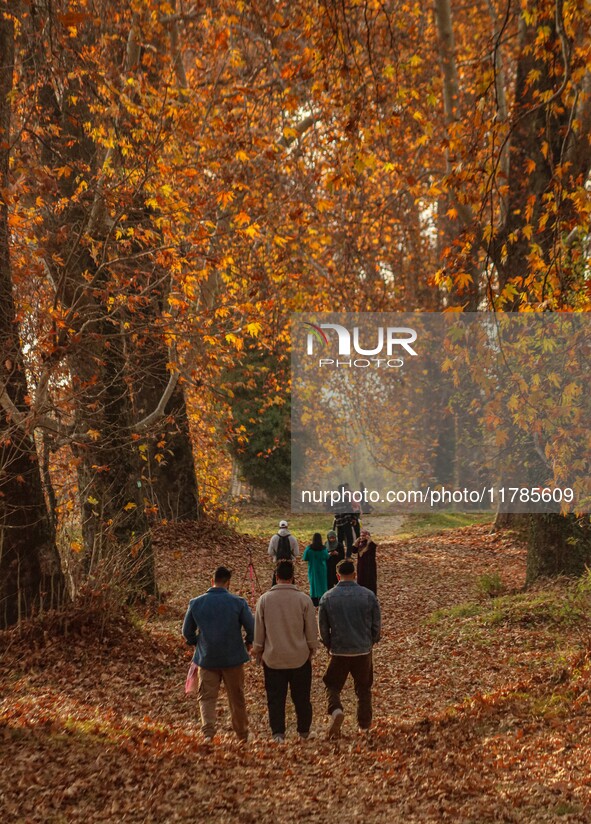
{"x":336,"y":722}
{"x":279,"y":739}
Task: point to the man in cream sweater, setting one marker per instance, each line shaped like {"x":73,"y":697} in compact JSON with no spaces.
{"x":285,"y":639}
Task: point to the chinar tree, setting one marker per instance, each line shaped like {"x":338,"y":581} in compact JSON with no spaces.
{"x":31,"y":577}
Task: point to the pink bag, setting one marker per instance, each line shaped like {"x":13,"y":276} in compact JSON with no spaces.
{"x":192,"y":681}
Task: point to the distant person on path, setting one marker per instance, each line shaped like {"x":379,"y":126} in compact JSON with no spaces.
{"x":356,"y":518}
{"x":366,"y":507}
{"x":283,"y":546}
{"x":285,"y":639}
{"x":214,"y":623}
{"x":316,"y":556}
{"x":336,"y":552}
{"x":343,"y":519}
{"x":349,"y":620}
{"x":367,"y":572}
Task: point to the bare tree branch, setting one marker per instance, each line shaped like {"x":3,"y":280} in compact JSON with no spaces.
{"x":29,"y":421}
{"x":159,"y":411}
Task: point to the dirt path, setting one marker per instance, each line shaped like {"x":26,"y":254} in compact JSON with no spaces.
{"x":101,"y":730}
{"x":383,"y":527}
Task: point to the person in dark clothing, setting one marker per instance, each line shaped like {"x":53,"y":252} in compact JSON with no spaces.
{"x":367,"y":572}
{"x":356,"y":519}
{"x":344,"y":518}
{"x":366,"y":507}
{"x":343,"y":524}
{"x":336,"y":553}
{"x":349,"y":621}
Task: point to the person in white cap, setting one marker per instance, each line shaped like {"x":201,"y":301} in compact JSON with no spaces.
{"x":283,"y":546}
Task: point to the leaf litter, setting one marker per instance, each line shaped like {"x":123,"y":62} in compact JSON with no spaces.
{"x":482,"y":707}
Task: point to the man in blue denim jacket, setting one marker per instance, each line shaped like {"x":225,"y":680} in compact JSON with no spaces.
{"x":350,"y":621}
{"x":214,"y":623}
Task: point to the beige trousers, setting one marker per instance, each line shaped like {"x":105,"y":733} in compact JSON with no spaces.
{"x":209,"y":687}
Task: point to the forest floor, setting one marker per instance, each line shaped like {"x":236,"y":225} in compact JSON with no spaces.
{"x":482,"y":704}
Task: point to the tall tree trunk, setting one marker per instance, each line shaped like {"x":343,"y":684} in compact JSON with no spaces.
{"x":548,"y":140}
{"x":450,"y":233}
{"x":171,"y":469}
{"x":114,"y":525}
{"x":31,"y":578}
{"x":117,"y":540}
{"x":557,"y":544}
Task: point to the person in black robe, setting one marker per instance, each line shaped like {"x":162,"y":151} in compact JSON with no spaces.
{"x":367,"y":571}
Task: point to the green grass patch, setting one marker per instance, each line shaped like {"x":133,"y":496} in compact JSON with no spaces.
{"x":458,"y":611}
{"x":430,"y":523}
{"x":562,"y":607}
{"x":566,"y":808}
{"x":556,"y":705}
{"x":546,"y":607}
{"x":491,"y":584}
{"x":264,"y":522}
{"x":93,"y":729}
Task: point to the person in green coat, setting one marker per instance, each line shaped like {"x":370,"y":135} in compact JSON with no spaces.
{"x":316,"y":556}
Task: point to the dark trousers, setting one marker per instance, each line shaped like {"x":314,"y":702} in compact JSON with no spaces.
{"x":361,"y":668}
{"x":345,"y":536}
{"x":299,"y":681}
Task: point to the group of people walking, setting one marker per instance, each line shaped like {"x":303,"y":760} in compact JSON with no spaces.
{"x":322,"y":558}
{"x":283,"y":636}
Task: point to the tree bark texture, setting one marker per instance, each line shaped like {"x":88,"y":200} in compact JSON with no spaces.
{"x":117,"y":540}
{"x":558,"y":545}
{"x":31,"y":577}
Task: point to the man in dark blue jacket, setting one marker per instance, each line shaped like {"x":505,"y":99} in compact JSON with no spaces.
{"x":214,"y":624}
{"x":350,"y":621}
